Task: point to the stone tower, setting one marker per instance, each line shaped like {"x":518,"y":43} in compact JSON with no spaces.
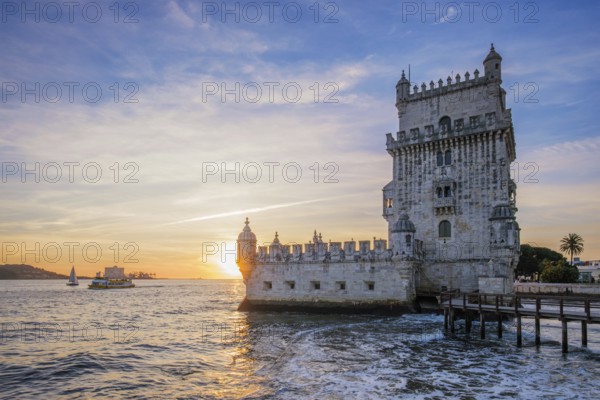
{"x":451,"y":186}
{"x":246,"y":251}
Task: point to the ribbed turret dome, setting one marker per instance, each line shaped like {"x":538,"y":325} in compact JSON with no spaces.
{"x":404,"y":224}
{"x":503,"y":211}
{"x":492,"y":55}
{"x":276,"y":240}
{"x":247,"y":234}
{"x":402,"y":80}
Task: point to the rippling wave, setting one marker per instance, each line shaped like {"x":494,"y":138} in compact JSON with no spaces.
{"x":185,"y":340}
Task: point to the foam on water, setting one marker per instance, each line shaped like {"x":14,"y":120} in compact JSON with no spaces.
{"x":189,"y":342}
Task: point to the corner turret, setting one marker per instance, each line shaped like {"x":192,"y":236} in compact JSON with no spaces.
{"x":403,"y":237}
{"x":493,"y":65}
{"x":402,"y":89}
{"x":504,"y":231}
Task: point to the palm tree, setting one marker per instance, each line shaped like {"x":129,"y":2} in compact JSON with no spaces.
{"x":572,"y":244}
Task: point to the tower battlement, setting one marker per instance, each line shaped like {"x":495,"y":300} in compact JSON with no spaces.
{"x":318,"y":251}
{"x":441,"y":87}
{"x":459,"y":108}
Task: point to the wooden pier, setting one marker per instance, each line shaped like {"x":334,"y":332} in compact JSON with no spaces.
{"x":480,"y":305}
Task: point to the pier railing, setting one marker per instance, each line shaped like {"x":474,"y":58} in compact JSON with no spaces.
{"x":564,"y":308}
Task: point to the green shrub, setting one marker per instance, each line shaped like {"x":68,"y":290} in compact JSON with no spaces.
{"x":559,"y":272}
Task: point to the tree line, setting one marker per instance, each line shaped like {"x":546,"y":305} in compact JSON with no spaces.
{"x":549,"y":266}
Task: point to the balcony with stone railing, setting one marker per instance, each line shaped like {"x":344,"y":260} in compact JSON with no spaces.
{"x":474,"y":124}
{"x":444,"y":205}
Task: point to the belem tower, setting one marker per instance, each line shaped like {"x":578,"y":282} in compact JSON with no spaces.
{"x":450,"y":209}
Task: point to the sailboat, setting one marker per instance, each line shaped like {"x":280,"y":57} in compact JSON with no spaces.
{"x":73,"y":278}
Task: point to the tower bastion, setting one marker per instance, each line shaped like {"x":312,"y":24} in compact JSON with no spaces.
{"x":450,"y":208}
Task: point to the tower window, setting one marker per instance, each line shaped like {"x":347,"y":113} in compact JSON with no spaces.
{"x":389,"y":203}
{"x":370,"y":285}
{"x":439,"y":193}
{"x":408,"y":240}
{"x":474,"y":122}
{"x":315,"y":285}
{"x":448,"y":157}
{"x":341,"y":285}
{"x":447,"y":191}
{"x":267,"y":285}
{"x":445,"y":124}
{"x":445,"y":229}
{"x":440,"y":159}
{"x":291,"y":285}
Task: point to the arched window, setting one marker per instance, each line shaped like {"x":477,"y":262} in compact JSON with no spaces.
{"x":447,"y":191}
{"x":445,"y":124}
{"x":440,"y":159}
{"x":448,"y":157}
{"x":445,"y":229}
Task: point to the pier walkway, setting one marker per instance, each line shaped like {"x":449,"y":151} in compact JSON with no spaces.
{"x":494,"y":306}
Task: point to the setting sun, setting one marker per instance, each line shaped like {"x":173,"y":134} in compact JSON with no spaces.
{"x":226,"y":262}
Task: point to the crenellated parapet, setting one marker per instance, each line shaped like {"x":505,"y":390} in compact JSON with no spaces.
{"x":492,"y":76}
{"x":440,"y":87}
{"x":318,"y":251}
{"x":459,"y":106}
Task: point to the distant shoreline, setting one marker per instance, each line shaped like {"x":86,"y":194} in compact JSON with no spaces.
{"x":29,"y":272}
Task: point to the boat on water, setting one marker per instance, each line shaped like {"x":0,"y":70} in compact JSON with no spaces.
{"x":73,"y":278}
{"x":106,"y":283}
{"x":114,"y":278}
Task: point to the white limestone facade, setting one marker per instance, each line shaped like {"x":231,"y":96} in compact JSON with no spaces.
{"x":450,"y":209}
{"x":323,"y":276}
{"x":451,"y":175}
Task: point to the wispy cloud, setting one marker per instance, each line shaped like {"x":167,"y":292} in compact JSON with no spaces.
{"x":178,"y":15}
{"x":175,"y":128}
{"x":249,"y":211}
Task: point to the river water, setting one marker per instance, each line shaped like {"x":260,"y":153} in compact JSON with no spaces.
{"x":176,"y":339}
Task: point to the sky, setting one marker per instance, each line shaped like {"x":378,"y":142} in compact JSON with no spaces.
{"x":142,"y":134}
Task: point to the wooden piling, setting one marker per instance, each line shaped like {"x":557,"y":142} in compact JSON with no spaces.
{"x":467,"y":321}
{"x":513,"y":306}
{"x":499,"y":316}
{"x":499,"y":326}
{"x":565,"y":336}
{"x":482,"y":325}
{"x":446,"y":318}
{"x":538,"y":305}
{"x":519,"y":332}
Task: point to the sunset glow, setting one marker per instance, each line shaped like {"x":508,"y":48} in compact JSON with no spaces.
{"x":201,"y":123}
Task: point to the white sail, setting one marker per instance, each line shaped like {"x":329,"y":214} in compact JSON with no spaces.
{"x":73,"y":278}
